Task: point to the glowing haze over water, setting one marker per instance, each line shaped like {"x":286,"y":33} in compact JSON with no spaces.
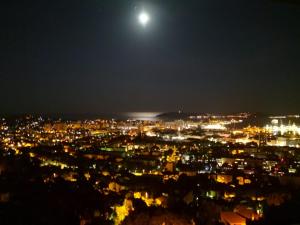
{"x":142,"y":115}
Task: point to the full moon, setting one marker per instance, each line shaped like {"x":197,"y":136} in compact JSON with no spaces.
{"x":144,"y":18}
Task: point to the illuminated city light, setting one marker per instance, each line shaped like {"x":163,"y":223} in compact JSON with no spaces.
{"x":283,"y":129}
{"x":214,"y":127}
{"x":163,"y":149}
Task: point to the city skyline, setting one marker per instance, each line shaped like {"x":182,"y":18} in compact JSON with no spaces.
{"x":204,"y":169}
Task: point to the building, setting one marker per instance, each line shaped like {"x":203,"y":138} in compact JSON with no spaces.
{"x":231,"y":218}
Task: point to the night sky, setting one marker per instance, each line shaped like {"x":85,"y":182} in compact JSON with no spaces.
{"x":92,"y":56}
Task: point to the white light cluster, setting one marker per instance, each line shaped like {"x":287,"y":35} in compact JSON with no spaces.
{"x":216,"y":126}
{"x":282,"y":129}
